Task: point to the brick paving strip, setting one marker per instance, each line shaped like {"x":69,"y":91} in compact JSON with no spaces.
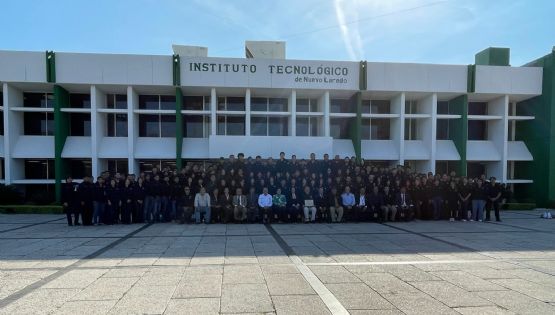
{"x":32,"y":287}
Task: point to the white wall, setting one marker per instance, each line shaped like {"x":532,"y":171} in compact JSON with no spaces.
{"x":509,"y":80}
{"x":22,"y":66}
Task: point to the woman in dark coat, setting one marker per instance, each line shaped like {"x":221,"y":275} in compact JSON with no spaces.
{"x":127,"y":202}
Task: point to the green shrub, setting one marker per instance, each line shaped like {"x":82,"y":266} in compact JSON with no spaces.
{"x":10,"y":195}
{"x":31,"y":209}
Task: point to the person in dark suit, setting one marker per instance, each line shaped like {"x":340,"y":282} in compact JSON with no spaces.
{"x":405,"y":207}
{"x":321,"y":203}
{"x":495,"y":193}
{"x":375,"y":204}
{"x":239,"y":206}
{"x":252,"y":205}
{"x":185,"y":207}
{"x":86,"y":192}
{"x":336,"y":209}
{"x":70,"y":202}
{"x":139,"y":198}
{"x":113,"y":197}
{"x":127,"y":202}
{"x":361,"y":205}
{"x":226,"y":201}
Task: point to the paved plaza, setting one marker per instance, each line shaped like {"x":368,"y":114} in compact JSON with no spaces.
{"x":420,"y":267}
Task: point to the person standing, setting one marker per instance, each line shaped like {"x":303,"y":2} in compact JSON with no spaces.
{"x":239,"y":206}
{"x":479,"y":196}
{"x":70,"y":199}
{"x":99,"y":201}
{"x":202,"y":206}
{"x":465,"y":192}
{"x":86,"y":194}
{"x":452,"y":195}
{"x":139,"y":197}
{"x":265,"y":204}
{"x":113,"y":199}
{"x":126,"y":202}
{"x":494,"y":197}
{"x":436,"y":200}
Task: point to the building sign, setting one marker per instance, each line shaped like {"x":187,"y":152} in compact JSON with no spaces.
{"x":269,"y":73}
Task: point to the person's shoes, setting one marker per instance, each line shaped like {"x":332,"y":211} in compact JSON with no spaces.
{"x":487,"y":220}
{"x":464,"y":220}
{"x":451,"y":220}
{"x":480,"y":221}
{"x":471,"y":220}
{"x":498,"y":220}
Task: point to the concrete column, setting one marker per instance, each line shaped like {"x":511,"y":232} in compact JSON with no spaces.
{"x":98,"y":127}
{"x":248,"y":112}
{"x":398,"y":125}
{"x":213,"y":117}
{"x":498,"y":134}
{"x":427,"y":128}
{"x":293,"y":111}
{"x":326,"y":107}
{"x":132,"y":129}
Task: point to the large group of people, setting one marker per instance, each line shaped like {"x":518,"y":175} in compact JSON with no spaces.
{"x":256,"y":190}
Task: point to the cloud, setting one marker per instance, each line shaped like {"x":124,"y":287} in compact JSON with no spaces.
{"x":349,"y":31}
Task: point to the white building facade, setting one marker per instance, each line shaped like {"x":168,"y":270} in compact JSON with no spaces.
{"x":77,"y":113}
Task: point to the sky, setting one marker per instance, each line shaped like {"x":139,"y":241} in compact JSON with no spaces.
{"x":428,"y":31}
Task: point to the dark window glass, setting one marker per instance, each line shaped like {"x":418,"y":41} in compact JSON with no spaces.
{"x":277,"y":126}
{"x":167,"y":125}
{"x":411,"y":107}
{"x":259,"y":104}
{"x":277,"y":104}
{"x":1,"y":99}
{"x":80,"y":168}
{"x":235,"y":126}
{"x":236,"y":103}
{"x":2,"y":170}
{"x":80,"y":124}
{"x":411,"y":129}
{"x":314,"y":123}
{"x":38,"y":124}
{"x":39,"y":169}
{"x":149,"y":126}
{"x":42,"y":100}
{"x":117,"y":101}
{"x":442,"y":132}
{"x":477,"y":108}
{"x":379,"y":107}
{"x":477,"y":130}
{"x":339,"y":128}
{"x":193,"y":103}
{"x":303,"y":105}
{"x":1,"y":123}
{"x":341,"y":106}
{"x":259,"y":126}
{"x":148,"y":165}
{"x":365,"y":129}
{"x":365,"y":106}
{"x":302,"y":126}
{"x":167,"y":102}
{"x":221,"y":126}
{"x":523,"y":110}
{"x":313,"y":105}
{"x":380,"y":129}
{"x":118,"y":166}
{"x":475,"y":169}
{"x":149,"y":102}
{"x":117,"y":125}
{"x":443,"y":107}
{"x":194,"y":127}
{"x":221,"y":103}
{"x":79,"y":101}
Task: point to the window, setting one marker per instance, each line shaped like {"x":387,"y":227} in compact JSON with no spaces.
{"x":341,"y":106}
{"x":39,"y":169}
{"x":156,"y":126}
{"x":446,"y":167}
{"x":231,"y":125}
{"x":148,"y":165}
{"x":156,"y":102}
{"x":231,"y":103}
{"x":2,"y":169}
{"x":477,"y":130}
{"x":339,"y":128}
{"x":375,"y":129}
{"x":80,"y":124}
{"x":263,"y":104}
{"x":80,"y":168}
{"x":1,"y":99}
{"x":308,"y":126}
{"x":196,"y":102}
{"x":411,"y":107}
{"x":116,"y":125}
{"x":196,"y":126}
{"x":475,"y":169}
{"x":380,"y":107}
{"x":42,"y":100}
{"x":477,"y":108}
{"x":1,"y":123}
{"x":259,"y":126}
{"x":118,"y":166}
{"x":79,"y":101}
{"x":442,"y":131}
{"x":443,"y":107}
{"x":307,"y":105}
{"x":117,"y":101}
{"x":411,"y":129}
{"x":38,"y":124}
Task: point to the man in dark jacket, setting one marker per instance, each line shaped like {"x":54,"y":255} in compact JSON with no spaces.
{"x":85,"y":193}
{"x":185,"y":207}
{"x":404,"y":205}
{"x":70,"y":201}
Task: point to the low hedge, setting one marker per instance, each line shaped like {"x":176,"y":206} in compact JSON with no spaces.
{"x":31,"y":209}
{"x":519,"y":206}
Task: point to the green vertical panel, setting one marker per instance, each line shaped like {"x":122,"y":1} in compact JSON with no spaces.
{"x":176,"y":70}
{"x":458,"y":129}
{"x":539,"y":136}
{"x":61,"y":131}
{"x":363,"y":76}
{"x":471,"y":79}
{"x":355,"y":126}
{"x":178,"y":127}
{"x":50,"y":66}
{"x":493,"y":56}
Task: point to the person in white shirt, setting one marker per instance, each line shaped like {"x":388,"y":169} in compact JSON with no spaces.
{"x":202,"y":206}
{"x":265,"y":204}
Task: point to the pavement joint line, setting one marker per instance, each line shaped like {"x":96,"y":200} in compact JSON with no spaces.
{"x":36,"y":285}
{"x":30,"y":225}
{"x":331,"y":302}
{"x":518,"y":227}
